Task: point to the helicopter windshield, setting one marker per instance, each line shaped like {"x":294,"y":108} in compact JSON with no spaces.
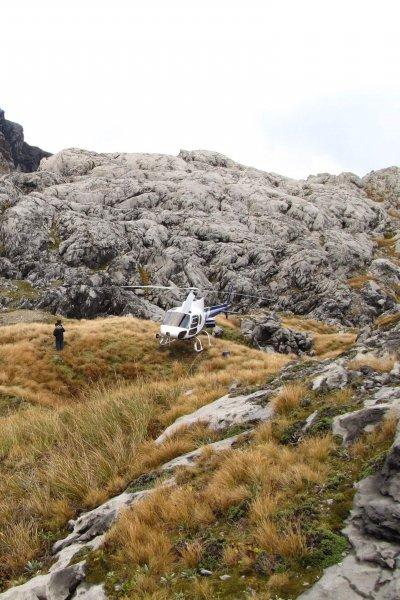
{"x":176,"y":319}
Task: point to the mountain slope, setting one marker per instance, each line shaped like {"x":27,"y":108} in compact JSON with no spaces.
{"x":70,"y":423}
{"x":85,"y":223}
{"x":129,"y":471}
{"x":224,"y":475}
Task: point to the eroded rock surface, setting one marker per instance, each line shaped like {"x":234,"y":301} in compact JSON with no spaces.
{"x":226,"y":411}
{"x":267,"y":333}
{"x":335,"y":376}
{"x":86,"y":224}
{"x":371,"y":570}
{"x":57,"y":585}
{"x":97,"y":521}
{"x":188,"y":459}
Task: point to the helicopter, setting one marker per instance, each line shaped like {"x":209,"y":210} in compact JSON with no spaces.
{"x":187,"y":321}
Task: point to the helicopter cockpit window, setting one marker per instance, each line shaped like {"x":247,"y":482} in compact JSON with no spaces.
{"x":176,"y":319}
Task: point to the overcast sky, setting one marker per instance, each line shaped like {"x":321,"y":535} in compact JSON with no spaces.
{"x":294,"y":87}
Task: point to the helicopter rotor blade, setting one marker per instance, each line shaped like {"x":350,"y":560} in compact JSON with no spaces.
{"x":157,"y":287}
{"x":194,"y":288}
{"x":234,"y":294}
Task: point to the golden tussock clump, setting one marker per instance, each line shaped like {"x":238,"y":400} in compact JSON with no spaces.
{"x":359,"y":281}
{"x":328,"y":341}
{"x":386,"y":431}
{"x":384,"y":364}
{"x":283,"y":540}
{"x":273,"y":471}
{"x":289,"y":397}
{"x":387,"y":320}
{"x":305,"y":324}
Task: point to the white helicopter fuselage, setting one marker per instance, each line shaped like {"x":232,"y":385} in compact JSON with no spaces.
{"x":185,"y":321}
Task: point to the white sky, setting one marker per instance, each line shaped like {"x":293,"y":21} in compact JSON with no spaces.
{"x":292,"y":86}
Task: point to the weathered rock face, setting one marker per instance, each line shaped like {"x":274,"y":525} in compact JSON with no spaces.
{"x":224,"y":412}
{"x":268,"y":333}
{"x":371,"y":569}
{"x":384,"y":185}
{"x":15,"y":153}
{"x":333,"y":377}
{"x":85,"y":224}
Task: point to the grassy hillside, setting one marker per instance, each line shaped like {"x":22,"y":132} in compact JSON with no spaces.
{"x":268,"y":513}
{"x":76,"y":427}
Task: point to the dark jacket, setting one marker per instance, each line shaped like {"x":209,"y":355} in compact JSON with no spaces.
{"x":58,"y":332}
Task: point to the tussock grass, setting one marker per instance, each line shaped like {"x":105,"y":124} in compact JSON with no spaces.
{"x":233,"y":321}
{"x":299,"y":323}
{"x":387,"y":430}
{"x":393,"y":212}
{"x":358,"y":281}
{"x":96,"y":350}
{"x":55,"y":461}
{"x":263,"y":500}
{"x":387,"y":246}
{"x":93,"y":411}
{"x":284,"y":540}
{"x":328,"y":341}
{"x":263,"y":503}
{"x":383,"y":364}
{"x":269,"y":469}
{"x":387,"y":320}
{"x":331,"y":345}
{"x":289,"y":397}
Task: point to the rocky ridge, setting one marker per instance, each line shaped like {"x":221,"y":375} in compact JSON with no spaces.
{"x":85,"y":224}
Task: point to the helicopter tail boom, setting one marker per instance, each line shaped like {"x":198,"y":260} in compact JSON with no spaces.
{"x":213,"y":311}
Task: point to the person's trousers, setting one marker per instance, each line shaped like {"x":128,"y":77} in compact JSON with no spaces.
{"x":59,"y":344}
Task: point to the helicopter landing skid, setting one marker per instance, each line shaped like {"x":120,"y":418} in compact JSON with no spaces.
{"x":165,"y":340}
{"x":198,"y":346}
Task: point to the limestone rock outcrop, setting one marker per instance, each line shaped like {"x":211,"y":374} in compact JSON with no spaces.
{"x":226,"y":411}
{"x":371,"y":569}
{"x":267,"y":333}
{"x":85,"y":224}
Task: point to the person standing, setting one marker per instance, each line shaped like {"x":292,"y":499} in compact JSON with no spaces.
{"x":59,"y":335}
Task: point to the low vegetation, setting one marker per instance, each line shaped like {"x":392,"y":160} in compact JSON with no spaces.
{"x":328,"y":340}
{"x":387,"y":321}
{"x":383,"y":364}
{"x":77,"y":426}
{"x":386,"y":247}
{"x":20,"y":289}
{"x":299,"y":323}
{"x":268,"y":513}
{"x":358,"y":281}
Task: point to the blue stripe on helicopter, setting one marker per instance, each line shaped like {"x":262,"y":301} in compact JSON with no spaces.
{"x":213,"y":311}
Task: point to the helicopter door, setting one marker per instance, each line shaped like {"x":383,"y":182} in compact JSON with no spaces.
{"x":194,"y":324}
